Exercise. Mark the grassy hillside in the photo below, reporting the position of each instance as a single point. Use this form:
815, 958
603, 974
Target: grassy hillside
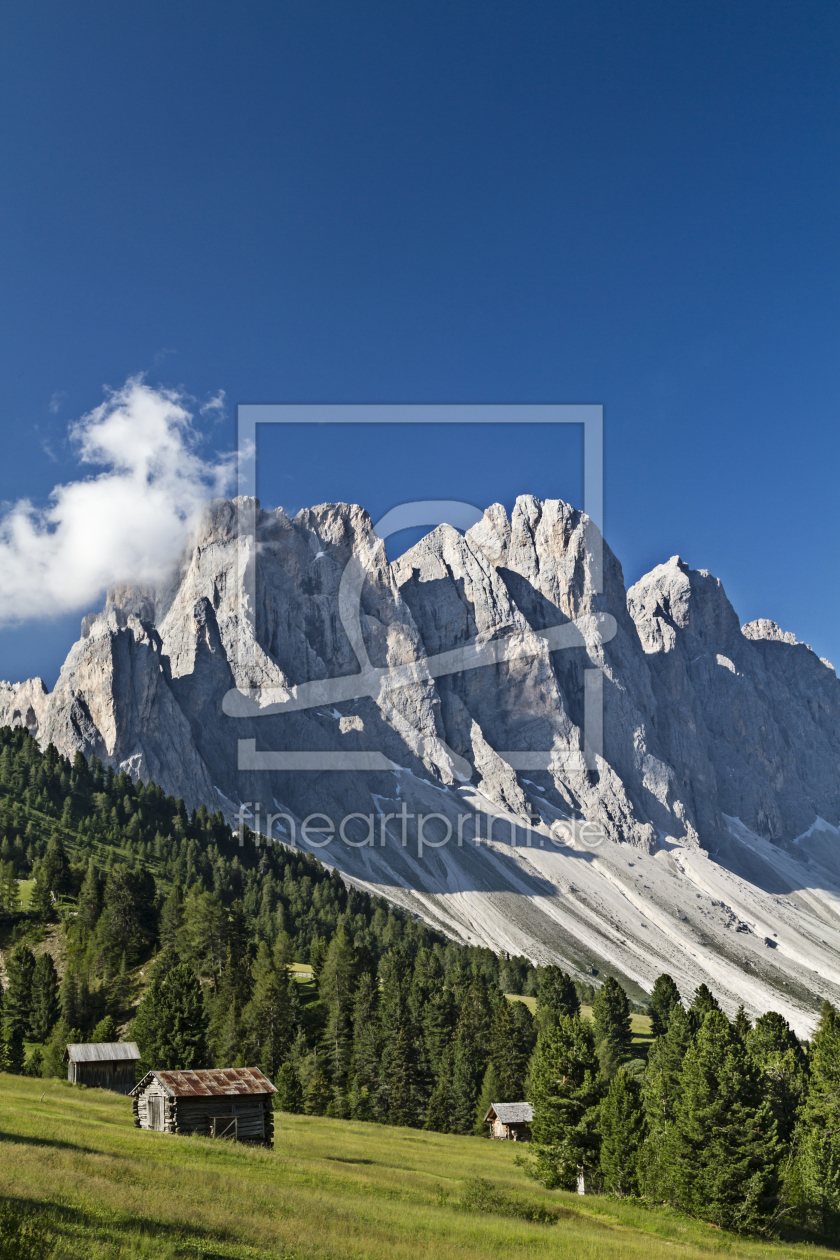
330, 1189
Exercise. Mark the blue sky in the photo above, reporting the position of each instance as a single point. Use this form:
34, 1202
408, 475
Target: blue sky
631, 204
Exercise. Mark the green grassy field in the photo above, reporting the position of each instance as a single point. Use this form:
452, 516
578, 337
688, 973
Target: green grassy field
329, 1189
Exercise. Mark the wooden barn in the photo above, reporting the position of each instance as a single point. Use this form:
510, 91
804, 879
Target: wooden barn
510, 1122
103, 1065
232, 1103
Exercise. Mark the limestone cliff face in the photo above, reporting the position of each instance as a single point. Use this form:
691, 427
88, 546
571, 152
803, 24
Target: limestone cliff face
701, 718
750, 717
716, 739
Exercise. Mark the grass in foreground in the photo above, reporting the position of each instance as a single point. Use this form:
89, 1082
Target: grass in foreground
330, 1189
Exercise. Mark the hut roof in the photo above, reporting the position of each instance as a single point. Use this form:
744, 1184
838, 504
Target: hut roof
102, 1052
511, 1113
210, 1081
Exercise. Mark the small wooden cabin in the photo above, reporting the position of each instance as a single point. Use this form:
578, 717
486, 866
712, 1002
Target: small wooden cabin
510, 1122
103, 1064
232, 1103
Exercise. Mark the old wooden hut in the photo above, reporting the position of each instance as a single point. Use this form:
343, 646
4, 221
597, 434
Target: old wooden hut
103, 1064
232, 1103
510, 1122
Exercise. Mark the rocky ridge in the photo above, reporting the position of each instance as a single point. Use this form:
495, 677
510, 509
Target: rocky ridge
713, 803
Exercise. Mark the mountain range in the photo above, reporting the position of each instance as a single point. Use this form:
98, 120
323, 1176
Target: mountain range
622, 781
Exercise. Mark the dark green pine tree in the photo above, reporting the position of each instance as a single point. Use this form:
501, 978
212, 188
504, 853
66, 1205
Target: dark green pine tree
818, 1158
439, 1114
289, 1095
660, 1095
366, 1048
776, 1051
318, 1094
663, 999
397, 1065
741, 1024
225, 1033
268, 1031
439, 1018
510, 1050
471, 1052
428, 987
613, 1032
556, 996
622, 1125
490, 1093
55, 868
402, 1109
703, 1002
171, 919
14, 1051
90, 899
46, 1007
722, 1152
526, 1031
68, 995
171, 1023
17, 1004
337, 986
565, 1094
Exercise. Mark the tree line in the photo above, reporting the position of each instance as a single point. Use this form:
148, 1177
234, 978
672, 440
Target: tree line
734, 1122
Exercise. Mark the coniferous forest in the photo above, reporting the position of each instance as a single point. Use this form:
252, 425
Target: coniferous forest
146, 922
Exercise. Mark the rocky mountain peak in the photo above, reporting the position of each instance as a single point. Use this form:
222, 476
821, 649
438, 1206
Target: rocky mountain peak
447, 682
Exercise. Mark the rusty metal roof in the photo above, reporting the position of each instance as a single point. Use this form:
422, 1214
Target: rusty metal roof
102, 1052
210, 1082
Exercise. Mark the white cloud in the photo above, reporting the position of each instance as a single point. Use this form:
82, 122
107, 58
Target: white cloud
126, 523
216, 405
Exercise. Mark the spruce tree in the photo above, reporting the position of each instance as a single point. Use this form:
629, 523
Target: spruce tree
105, 1030
225, 1033
45, 1005
17, 1004
776, 1051
439, 1019
90, 898
663, 999
470, 1054
14, 1051
722, 1151
741, 1024
318, 1094
622, 1128
337, 986
55, 868
565, 1094
613, 1032
266, 1020
703, 1002
171, 918
818, 1158
366, 1048
171, 1023
401, 1096
556, 995
289, 1095
660, 1096
509, 1053
490, 1093
396, 1067
439, 1114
